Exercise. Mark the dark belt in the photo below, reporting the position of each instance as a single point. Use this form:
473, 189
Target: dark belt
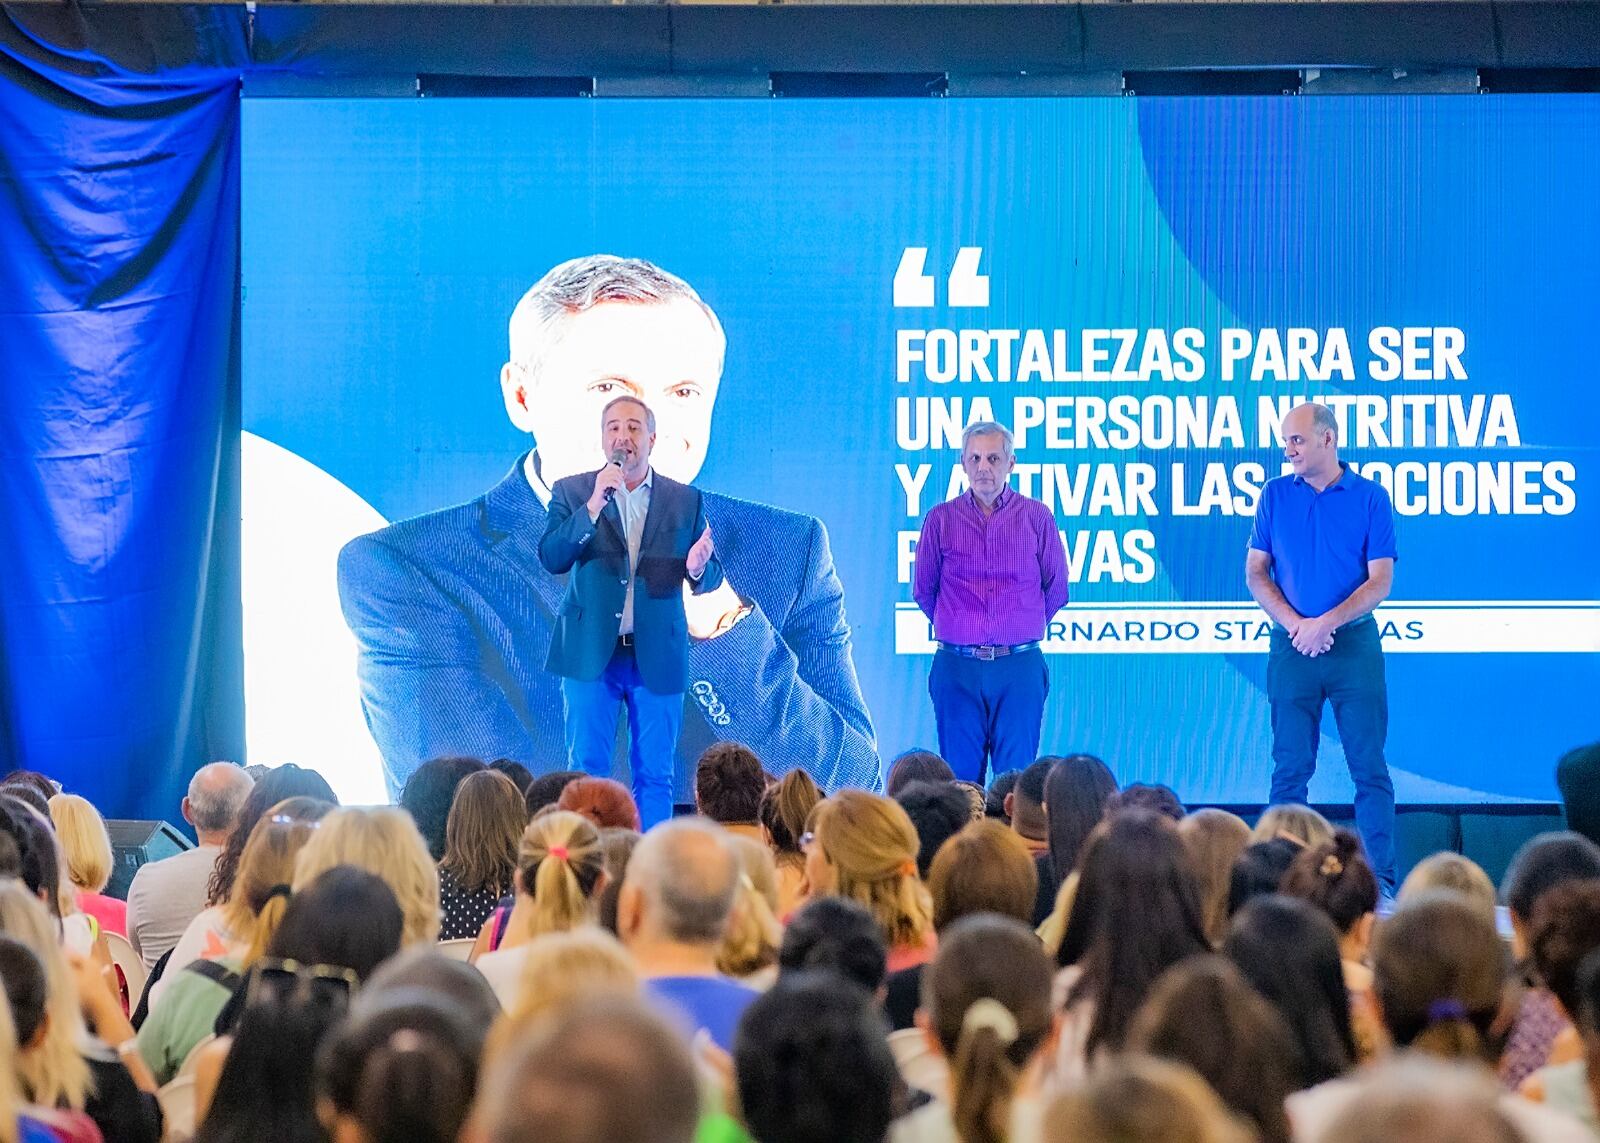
987, 651
625, 640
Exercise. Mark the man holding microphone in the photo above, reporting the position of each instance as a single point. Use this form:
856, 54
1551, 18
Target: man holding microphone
991, 572
628, 539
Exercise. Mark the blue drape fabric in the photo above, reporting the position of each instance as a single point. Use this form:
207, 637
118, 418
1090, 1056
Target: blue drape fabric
120, 661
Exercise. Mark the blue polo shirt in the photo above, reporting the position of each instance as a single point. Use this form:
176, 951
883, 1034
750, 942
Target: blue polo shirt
1320, 542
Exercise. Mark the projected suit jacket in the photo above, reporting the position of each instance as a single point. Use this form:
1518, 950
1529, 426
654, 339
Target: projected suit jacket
453, 613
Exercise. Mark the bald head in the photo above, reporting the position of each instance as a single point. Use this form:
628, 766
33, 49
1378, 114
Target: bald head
215, 794
681, 881
1311, 443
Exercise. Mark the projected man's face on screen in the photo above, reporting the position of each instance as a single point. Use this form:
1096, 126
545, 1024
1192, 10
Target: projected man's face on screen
667, 354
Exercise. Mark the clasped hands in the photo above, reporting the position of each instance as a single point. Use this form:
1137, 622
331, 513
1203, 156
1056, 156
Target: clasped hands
1312, 636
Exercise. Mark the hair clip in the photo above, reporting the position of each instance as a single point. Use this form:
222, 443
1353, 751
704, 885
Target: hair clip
1441, 1010
1332, 866
987, 1012
559, 852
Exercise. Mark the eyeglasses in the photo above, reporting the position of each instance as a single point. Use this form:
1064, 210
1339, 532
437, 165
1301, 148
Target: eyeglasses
288, 978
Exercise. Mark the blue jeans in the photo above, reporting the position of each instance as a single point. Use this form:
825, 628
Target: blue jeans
1350, 677
988, 711
653, 724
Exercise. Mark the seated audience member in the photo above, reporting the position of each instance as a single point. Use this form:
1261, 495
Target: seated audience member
1203, 1013
560, 970
1565, 930
521, 777
86, 848
1214, 839
864, 847
401, 1070
276, 785
429, 793
1456, 873
728, 784
607, 1069
994, 798
1259, 870
916, 765
560, 872
480, 852
938, 811
1076, 790
1574, 1087
617, 845
384, 841
166, 895
1137, 913
186, 1010
1578, 779
671, 917
208, 936
35, 788
1422, 1100
783, 811
425, 967
1301, 825
20, 1122
1289, 952
1135, 1099
1541, 1034
986, 868
545, 790
1336, 878
986, 1011
837, 935
606, 803
52, 1000
1438, 977
1025, 807
810, 1063
1147, 796
749, 950
29, 852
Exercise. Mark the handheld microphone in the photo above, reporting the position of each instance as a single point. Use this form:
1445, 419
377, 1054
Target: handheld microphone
617, 457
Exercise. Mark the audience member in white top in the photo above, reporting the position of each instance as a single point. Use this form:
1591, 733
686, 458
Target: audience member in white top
166, 895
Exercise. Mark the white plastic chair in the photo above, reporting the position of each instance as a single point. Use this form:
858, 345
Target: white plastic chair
919, 1065
131, 964
458, 949
177, 1098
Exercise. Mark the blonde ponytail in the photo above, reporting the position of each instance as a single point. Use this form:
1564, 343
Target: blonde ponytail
559, 866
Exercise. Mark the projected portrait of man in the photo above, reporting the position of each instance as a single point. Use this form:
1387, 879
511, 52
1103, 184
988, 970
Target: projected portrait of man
453, 611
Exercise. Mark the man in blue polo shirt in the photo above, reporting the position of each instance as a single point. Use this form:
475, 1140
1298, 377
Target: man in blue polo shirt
1321, 558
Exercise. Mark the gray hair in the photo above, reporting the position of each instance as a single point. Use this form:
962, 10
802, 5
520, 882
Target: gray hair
629, 399
583, 283
983, 429
216, 793
1322, 419
687, 872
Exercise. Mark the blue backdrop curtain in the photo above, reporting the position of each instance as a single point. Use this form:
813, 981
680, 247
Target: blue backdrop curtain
120, 658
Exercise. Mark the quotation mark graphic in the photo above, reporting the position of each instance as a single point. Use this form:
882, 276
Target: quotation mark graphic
914, 286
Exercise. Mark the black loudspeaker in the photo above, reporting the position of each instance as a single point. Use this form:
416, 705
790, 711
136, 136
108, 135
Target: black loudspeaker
135, 842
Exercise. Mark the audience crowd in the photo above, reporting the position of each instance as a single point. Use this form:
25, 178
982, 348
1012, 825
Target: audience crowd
1059, 958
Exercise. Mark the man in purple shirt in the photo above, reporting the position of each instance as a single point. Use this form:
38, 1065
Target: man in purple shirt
991, 571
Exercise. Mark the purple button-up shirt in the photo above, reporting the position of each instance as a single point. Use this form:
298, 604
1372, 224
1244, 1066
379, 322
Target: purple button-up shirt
990, 579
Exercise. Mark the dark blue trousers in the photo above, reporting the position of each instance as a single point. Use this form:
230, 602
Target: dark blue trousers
988, 711
1350, 677
653, 724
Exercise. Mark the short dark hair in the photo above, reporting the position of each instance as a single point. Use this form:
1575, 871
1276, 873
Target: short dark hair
1259, 870
837, 934
1544, 862
728, 783
545, 790
938, 810
428, 794
994, 798
1578, 779
520, 775
916, 765
1027, 800
1030, 783
1147, 796
812, 1062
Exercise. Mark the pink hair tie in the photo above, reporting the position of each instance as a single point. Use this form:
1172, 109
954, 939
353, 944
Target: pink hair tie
559, 852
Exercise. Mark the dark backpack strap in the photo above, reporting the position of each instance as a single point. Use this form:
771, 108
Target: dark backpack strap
217, 973
501, 915
143, 1010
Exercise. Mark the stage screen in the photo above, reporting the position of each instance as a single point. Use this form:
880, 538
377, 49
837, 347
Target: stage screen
1138, 287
